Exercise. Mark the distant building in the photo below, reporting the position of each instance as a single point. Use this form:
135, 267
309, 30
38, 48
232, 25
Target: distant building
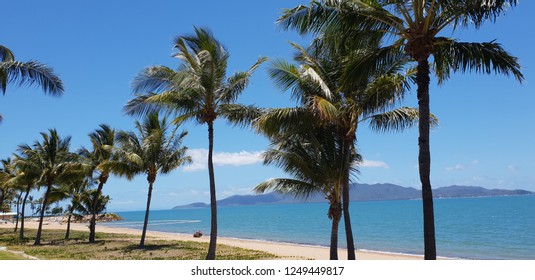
7, 216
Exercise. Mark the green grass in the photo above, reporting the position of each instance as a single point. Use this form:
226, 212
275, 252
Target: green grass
117, 247
10, 256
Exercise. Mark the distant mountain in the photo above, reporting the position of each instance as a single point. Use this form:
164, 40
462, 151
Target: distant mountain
193, 205
363, 192
462, 191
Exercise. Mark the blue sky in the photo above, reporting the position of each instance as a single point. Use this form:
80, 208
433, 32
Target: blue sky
484, 139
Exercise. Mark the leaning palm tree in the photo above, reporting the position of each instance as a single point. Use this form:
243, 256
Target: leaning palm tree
52, 158
27, 73
97, 159
153, 149
312, 156
198, 90
415, 26
317, 84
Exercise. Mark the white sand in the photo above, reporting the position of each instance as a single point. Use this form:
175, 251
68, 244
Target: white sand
291, 251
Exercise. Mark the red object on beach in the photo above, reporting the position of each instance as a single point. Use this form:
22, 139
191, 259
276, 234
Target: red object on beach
197, 233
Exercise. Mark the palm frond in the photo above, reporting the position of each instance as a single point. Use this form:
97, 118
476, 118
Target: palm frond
477, 12
237, 83
30, 73
491, 57
298, 189
397, 120
153, 79
6, 54
275, 121
147, 104
360, 65
327, 111
239, 115
284, 74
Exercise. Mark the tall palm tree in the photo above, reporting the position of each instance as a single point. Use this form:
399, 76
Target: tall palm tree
27, 73
198, 90
317, 83
153, 149
97, 159
52, 158
313, 158
415, 26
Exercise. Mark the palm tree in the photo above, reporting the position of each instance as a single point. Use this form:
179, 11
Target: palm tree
317, 84
72, 188
15, 179
7, 190
154, 149
27, 73
33, 203
198, 90
415, 26
97, 159
86, 202
53, 159
17, 203
27, 178
313, 158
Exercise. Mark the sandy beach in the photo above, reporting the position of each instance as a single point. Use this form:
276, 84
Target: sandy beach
290, 251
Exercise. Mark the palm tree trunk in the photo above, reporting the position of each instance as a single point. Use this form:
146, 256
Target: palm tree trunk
424, 159
345, 202
213, 201
68, 232
93, 221
18, 211
2, 197
21, 233
92, 228
336, 213
146, 222
43, 207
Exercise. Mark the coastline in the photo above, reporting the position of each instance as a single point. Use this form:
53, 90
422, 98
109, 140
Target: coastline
285, 250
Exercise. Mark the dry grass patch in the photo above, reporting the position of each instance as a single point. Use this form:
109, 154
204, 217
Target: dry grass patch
118, 247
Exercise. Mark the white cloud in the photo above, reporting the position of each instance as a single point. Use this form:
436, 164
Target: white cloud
511, 168
200, 159
374, 164
456, 167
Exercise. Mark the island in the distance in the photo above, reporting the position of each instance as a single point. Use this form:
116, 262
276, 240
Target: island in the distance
363, 192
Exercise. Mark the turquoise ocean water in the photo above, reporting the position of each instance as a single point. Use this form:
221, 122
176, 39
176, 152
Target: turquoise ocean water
469, 228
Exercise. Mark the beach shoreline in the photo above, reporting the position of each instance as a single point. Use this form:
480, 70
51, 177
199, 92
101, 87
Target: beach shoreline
282, 249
